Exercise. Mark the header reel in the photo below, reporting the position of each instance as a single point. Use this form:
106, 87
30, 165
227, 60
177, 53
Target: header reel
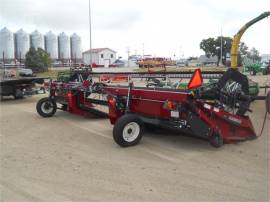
231, 92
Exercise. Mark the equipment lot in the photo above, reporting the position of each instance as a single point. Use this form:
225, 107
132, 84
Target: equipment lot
72, 158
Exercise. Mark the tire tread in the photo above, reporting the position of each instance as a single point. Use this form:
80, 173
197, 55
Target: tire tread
119, 126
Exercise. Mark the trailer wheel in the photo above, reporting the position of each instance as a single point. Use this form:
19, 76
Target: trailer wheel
128, 130
18, 94
266, 71
98, 87
46, 107
216, 140
254, 72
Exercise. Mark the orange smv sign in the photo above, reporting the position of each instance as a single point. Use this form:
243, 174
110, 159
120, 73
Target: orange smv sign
196, 80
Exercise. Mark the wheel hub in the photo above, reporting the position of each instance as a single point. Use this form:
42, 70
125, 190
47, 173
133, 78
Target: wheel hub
46, 107
131, 131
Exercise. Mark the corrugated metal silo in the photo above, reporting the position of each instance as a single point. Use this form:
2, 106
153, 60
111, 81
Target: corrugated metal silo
51, 45
76, 49
37, 40
22, 44
6, 44
64, 46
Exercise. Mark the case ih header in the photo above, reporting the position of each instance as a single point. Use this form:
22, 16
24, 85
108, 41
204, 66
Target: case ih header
216, 111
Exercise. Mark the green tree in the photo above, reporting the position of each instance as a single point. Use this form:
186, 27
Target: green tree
254, 55
243, 52
212, 47
243, 49
37, 60
208, 46
192, 58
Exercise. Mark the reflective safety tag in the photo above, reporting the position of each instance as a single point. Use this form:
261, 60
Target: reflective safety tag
175, 114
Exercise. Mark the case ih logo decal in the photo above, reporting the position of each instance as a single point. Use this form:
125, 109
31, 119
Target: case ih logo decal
235, 120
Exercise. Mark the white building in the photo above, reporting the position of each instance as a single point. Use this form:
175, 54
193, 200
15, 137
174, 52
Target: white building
265, 57
100, 56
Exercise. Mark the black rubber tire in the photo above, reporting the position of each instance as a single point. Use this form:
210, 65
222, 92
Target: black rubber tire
216, 140
39, 108
18, 97
43, 89
119, 128
242, 110
18, 94
98, 87
266, 71
64, 107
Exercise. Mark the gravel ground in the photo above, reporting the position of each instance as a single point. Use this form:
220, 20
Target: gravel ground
73, 158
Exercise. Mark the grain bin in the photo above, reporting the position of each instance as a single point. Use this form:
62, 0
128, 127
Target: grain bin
51, 45
76, 50
6, 44
37, 40
22, 44
64, 46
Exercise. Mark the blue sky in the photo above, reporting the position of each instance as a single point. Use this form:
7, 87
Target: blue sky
166, 28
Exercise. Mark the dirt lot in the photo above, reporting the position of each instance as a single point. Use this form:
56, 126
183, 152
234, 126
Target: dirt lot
72, 158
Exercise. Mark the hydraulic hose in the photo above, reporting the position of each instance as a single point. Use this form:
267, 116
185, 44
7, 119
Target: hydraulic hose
267, 111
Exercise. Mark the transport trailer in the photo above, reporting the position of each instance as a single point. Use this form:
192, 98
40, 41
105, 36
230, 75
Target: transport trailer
21, 87
72, 91
216, 112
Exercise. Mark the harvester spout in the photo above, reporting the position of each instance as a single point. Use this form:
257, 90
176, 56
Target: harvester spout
237, 37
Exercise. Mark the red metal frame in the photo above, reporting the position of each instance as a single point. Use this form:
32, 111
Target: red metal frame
230, 126
113, 78
150, 103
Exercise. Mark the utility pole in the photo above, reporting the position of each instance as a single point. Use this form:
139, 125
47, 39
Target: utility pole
4, 74
143, 54
143, 50
75, 60
90, 33
221, 47
128, 51
20, 60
